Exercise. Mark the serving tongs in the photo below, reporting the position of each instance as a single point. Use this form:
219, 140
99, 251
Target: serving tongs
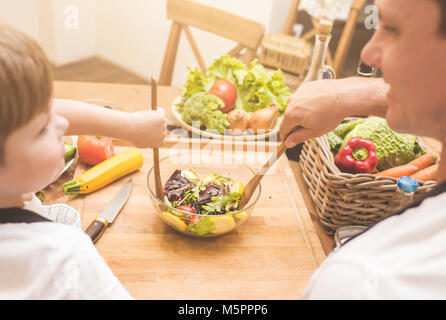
253, 183
156, 158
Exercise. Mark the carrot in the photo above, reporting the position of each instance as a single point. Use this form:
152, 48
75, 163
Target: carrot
426, 160
414, 166
399, 171
426, 174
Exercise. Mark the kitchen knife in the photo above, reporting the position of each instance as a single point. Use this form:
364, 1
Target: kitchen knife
111, 211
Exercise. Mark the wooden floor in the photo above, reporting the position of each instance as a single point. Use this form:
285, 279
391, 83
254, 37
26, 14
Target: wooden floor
96, 69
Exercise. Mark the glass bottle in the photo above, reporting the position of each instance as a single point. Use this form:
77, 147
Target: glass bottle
404, 194
318, 69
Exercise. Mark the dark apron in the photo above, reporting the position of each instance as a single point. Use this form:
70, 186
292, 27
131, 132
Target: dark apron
18, 215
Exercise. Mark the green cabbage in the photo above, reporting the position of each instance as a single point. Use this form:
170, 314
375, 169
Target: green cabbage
336, 137
392, 149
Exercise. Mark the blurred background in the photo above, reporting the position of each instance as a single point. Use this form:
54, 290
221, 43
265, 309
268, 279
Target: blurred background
124, 41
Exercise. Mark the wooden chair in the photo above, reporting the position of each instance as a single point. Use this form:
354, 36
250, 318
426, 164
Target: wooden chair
184, 13
346, 37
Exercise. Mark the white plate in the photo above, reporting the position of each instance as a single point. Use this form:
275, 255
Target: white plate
246, 136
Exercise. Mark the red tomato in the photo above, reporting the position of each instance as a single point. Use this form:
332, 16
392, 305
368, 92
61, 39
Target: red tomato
226, 91
94, 149
186, 208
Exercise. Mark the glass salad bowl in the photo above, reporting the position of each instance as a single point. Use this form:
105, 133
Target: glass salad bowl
218, 172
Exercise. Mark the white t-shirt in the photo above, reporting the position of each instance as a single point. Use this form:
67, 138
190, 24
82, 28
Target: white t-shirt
402, 257
53, 260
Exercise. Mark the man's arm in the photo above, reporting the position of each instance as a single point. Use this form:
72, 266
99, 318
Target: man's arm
319, 106
145, 129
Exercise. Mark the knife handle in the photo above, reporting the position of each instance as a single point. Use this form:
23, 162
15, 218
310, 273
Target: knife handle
96, 228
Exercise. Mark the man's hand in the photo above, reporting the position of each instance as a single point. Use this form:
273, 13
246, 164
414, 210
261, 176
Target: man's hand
312, 109
148, 128
317, 107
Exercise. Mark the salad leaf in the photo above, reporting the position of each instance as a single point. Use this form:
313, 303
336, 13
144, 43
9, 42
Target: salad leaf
228, 68
209, 191
280, 92
209, 195
203, 110
176, 186
261, 88
222, 203
195, 82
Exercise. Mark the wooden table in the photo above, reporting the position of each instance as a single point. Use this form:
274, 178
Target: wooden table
130, 98
271, 256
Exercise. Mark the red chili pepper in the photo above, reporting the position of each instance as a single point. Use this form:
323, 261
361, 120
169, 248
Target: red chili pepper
357, 156
186, 208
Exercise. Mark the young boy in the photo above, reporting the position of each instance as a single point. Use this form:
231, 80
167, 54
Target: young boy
40, 258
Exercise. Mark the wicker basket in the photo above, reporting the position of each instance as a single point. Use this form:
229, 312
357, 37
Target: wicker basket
285, 52
343, 199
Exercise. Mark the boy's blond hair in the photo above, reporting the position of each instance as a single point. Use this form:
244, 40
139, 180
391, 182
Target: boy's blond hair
26, 82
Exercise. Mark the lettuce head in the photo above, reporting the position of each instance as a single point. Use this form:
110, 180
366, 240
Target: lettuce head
256, 88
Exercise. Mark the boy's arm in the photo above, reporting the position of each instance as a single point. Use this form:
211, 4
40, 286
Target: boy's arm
319, 106
145, 129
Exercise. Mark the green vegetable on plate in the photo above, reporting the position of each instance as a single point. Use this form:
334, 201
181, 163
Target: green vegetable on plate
256, 89
202, 110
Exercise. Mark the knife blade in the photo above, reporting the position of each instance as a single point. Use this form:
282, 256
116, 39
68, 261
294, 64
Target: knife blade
110, 212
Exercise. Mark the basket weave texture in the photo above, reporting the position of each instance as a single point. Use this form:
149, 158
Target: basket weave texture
343, 199
285, 52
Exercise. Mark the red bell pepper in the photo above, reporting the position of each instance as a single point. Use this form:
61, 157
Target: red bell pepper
357, 156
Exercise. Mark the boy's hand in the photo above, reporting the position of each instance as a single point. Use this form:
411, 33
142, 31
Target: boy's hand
148, 128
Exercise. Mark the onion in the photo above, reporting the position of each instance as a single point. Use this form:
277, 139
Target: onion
238, 121
263, 120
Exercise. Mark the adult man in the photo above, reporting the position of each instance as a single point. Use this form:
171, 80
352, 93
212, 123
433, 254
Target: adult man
402, 256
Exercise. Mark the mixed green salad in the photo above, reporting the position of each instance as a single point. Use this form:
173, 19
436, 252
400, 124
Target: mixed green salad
255, 89
205, 202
